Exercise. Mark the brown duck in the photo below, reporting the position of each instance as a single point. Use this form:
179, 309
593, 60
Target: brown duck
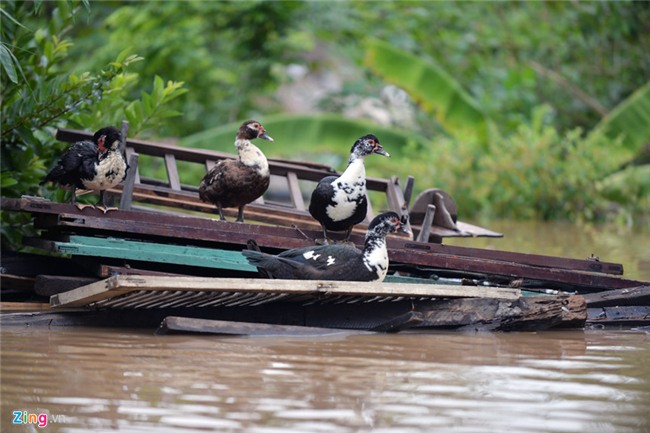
237, 182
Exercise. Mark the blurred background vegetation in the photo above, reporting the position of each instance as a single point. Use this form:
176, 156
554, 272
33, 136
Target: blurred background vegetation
534, 110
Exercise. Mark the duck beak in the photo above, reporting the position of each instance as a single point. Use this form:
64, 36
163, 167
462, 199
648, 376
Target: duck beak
380, 151
265, 136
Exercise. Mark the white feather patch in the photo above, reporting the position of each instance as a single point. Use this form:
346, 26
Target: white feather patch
251, 156
311, 255
330, 260
377, 260
352, 186
110, 172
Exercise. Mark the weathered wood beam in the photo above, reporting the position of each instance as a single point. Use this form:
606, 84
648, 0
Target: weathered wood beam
176, 324
621, 297
524, 314
120, 285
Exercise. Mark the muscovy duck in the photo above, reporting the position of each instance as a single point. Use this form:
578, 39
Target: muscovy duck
235, 183
338, 203
340, 262
97, 165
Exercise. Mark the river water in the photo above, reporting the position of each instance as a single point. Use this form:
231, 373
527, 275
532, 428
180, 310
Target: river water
109, 380
124, 380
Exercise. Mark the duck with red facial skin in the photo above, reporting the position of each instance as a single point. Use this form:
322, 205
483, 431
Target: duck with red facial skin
237, 182
96, 165
339, 262
338, 203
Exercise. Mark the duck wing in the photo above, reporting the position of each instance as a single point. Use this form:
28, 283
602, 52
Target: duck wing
309, 263
77, 163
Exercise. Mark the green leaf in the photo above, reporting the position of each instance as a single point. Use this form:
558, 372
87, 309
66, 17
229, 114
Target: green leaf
310, 134
631, 119
7, 59
7, 181
627, 185
431, 86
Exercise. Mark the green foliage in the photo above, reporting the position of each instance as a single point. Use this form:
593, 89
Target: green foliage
535, 172
631, 120
432, 87
511, 57
39, 95
226, 53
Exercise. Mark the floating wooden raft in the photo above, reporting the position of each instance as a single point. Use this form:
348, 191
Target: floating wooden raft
62, 222
380, 307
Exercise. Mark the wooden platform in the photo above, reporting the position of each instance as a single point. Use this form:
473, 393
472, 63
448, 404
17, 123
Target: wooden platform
62, 222
163, 292
184, 303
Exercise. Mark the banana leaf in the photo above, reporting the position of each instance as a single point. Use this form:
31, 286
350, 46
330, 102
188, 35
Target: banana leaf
627, 186
304, 137
631, 119
431, 86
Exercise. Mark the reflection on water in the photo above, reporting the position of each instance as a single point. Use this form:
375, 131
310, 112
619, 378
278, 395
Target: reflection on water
611, 243
569, 381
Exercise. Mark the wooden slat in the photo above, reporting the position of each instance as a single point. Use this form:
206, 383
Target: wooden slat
119, 285
620, 297
7, 307
294, 191
130, 151
152, 252
126, 198
573, 273
172, 172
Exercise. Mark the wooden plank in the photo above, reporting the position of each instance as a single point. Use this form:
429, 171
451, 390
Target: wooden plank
175, 324
125, 283
425, 229
86, 295
524, 314
294, 191
130, 151
462, 259
155, 224
126, 198
621, 297
7, 307
627, 315
172, 172
153, 252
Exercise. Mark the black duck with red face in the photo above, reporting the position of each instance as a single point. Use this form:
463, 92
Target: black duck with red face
338, 203
334, 262
97, 165
237, 182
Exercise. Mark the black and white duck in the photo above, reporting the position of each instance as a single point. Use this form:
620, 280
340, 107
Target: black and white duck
96, 165
340, 262
338, 203
237, 182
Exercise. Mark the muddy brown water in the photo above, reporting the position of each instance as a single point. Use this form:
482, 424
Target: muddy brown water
110, 380
124, 380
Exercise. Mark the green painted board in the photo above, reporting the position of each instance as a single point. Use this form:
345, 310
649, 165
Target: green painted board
154, 252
